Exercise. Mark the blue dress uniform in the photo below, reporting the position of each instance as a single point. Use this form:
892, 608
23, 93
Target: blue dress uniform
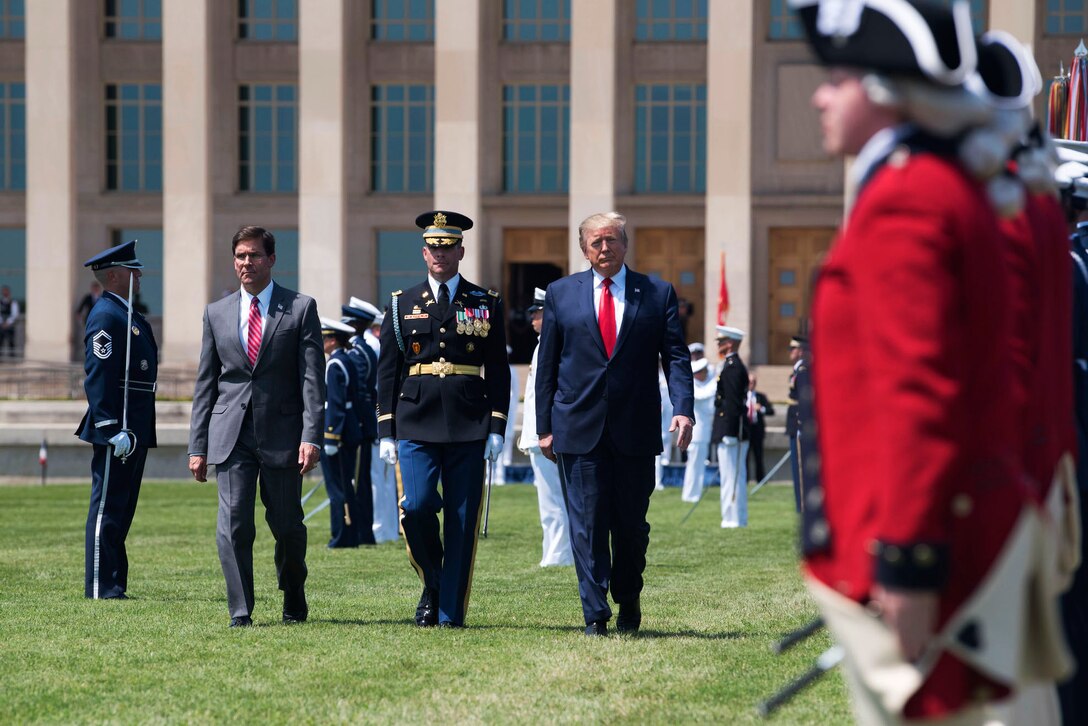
434, 399
115, 482
342, 431
365, 361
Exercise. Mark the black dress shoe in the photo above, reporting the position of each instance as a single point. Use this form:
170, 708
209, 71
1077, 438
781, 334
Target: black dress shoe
241, 622
450, 626
295, 608
630, 617
427, 610
598, 628
293, 618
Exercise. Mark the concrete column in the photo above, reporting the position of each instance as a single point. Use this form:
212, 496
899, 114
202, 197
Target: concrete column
1016, 17
457, 123
728, 162
592, 116
187, 187
322, 199
51, 266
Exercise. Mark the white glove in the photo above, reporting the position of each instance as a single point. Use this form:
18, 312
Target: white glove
730, 440
122, 444
387, 451
331, 449
493, 448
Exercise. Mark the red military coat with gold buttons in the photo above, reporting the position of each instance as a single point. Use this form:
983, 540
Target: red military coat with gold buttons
920, 468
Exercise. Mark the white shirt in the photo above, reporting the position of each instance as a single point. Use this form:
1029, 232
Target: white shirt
264, 297
619, 296
451, 285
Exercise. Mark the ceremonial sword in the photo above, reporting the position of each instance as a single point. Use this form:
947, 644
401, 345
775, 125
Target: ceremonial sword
128, 359
487, 495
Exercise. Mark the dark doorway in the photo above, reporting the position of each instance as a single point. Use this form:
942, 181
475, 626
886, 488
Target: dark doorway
523, 278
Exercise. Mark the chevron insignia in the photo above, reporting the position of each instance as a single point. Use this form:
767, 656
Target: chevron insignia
103, 344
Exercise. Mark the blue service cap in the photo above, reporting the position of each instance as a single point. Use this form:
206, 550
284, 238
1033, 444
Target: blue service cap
360, 310
442, 228
123, 255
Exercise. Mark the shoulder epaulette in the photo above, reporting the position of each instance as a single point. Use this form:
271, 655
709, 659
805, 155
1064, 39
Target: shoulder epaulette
493, 293
398, 292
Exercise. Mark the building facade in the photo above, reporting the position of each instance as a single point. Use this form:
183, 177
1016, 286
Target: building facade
335, 122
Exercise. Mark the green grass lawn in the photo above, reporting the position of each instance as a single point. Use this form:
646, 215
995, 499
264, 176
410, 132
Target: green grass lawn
714, 601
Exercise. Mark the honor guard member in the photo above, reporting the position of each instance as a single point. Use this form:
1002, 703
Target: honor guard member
121, 365
798, 377
924, 563
705, 388
730, 430
342, 436
383, 477
443, 396
360, 314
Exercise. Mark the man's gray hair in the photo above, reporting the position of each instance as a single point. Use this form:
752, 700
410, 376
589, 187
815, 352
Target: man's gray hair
598, 221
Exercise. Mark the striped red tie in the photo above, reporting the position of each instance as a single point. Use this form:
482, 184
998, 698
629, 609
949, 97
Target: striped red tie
253, 337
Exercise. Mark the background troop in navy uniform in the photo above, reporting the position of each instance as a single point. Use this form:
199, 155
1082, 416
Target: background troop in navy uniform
117, 465
443, 396
360, 315
342, 437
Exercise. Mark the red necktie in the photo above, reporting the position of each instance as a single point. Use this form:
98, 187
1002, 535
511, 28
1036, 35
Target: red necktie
606, 317
253, 337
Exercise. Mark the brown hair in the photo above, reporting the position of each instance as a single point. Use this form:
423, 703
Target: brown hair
251, 232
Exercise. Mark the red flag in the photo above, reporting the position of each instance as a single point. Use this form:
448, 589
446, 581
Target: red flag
723, 297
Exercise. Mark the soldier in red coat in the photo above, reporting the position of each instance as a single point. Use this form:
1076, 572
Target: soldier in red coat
920, 543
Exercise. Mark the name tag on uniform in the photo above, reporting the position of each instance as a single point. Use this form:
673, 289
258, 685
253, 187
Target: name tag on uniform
421, 316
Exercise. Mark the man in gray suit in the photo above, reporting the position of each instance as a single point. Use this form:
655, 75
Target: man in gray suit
258, 411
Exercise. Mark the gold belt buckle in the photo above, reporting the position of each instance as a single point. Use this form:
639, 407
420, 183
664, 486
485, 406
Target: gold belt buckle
442, 368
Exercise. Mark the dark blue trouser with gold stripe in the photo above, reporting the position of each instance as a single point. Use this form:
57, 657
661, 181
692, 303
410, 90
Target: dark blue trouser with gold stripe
115, 487
460, 467
344, 520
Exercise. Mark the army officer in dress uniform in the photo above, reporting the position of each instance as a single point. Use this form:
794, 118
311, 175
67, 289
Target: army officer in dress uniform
116, 335
440, 416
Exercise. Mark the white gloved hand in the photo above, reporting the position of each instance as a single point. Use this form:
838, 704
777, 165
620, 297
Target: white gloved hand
387, 451
331, 449
730, 440
493, 448
122, 444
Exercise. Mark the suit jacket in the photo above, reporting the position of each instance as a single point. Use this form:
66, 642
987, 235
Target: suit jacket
730, 409
104, 365
454, 408
286, 386
579, 388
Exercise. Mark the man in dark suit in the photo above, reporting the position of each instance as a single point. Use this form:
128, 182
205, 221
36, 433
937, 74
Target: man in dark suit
799, 379
120, 425
443, 396
759, 408
258, 412
598, 411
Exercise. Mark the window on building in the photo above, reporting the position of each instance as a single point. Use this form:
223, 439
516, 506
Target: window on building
13, 262
399, 20
399, 262
134, 137
134, 19
536, 137
1066, 17
268, 20
657, 20
536, 20
670, 138
785, 23
402, 138
267, 137
12, 136
149, 251
12, 19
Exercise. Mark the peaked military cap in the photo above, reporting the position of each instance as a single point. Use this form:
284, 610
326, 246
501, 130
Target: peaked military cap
122, 255
538, 300
798, 341
696, 348
699, 365
910, 38
335, 327
442, 229
360, 310
724, 331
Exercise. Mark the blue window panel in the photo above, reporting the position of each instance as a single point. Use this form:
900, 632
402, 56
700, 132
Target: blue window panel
12, 137
536, 21
399, 263
134, 137
13, 261
124, 19
536, 126
285, 271
400, 20
403, 138
268, 138
268, 20
670, 138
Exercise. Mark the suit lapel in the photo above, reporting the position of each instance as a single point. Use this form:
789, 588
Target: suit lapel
276, 310
230, 322
632, 296
585, 305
